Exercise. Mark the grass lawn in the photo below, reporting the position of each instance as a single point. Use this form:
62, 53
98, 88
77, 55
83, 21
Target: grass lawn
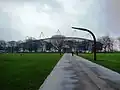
109, 60
26, 72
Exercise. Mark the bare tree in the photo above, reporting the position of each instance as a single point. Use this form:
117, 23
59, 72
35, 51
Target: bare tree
107, 43
58, 41
12, 45
18, 46
2, 45
30, 44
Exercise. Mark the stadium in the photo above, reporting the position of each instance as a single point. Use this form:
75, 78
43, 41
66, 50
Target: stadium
59, 43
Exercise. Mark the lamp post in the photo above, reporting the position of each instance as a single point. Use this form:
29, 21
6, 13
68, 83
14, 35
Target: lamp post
83, 29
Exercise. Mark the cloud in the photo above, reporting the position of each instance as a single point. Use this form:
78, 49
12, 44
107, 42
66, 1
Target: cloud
6, 30
29, 18
113, 16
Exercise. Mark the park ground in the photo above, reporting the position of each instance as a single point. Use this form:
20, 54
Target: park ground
109, 60
26, 71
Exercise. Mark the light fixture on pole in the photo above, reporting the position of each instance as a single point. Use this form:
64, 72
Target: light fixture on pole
94, 49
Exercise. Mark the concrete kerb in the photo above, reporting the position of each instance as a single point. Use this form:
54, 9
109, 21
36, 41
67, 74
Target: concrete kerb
50, 74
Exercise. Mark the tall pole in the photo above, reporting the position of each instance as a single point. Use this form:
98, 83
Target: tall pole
83, 29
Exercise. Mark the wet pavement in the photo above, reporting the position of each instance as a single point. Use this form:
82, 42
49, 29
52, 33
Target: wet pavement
76, 73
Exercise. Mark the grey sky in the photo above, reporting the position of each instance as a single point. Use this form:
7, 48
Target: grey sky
21, 18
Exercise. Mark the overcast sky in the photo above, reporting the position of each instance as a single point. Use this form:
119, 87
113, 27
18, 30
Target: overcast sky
21, 18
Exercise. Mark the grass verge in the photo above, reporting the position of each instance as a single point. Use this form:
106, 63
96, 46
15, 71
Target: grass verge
26, 72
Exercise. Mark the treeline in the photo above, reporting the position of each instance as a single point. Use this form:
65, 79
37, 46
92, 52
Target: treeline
104, 44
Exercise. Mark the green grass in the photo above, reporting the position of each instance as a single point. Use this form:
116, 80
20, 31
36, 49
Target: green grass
109, 60
26, 72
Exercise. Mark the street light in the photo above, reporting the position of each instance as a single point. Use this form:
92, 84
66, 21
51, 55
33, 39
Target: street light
83, 29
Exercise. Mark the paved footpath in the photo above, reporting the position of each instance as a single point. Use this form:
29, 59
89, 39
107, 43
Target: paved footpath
76, 73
